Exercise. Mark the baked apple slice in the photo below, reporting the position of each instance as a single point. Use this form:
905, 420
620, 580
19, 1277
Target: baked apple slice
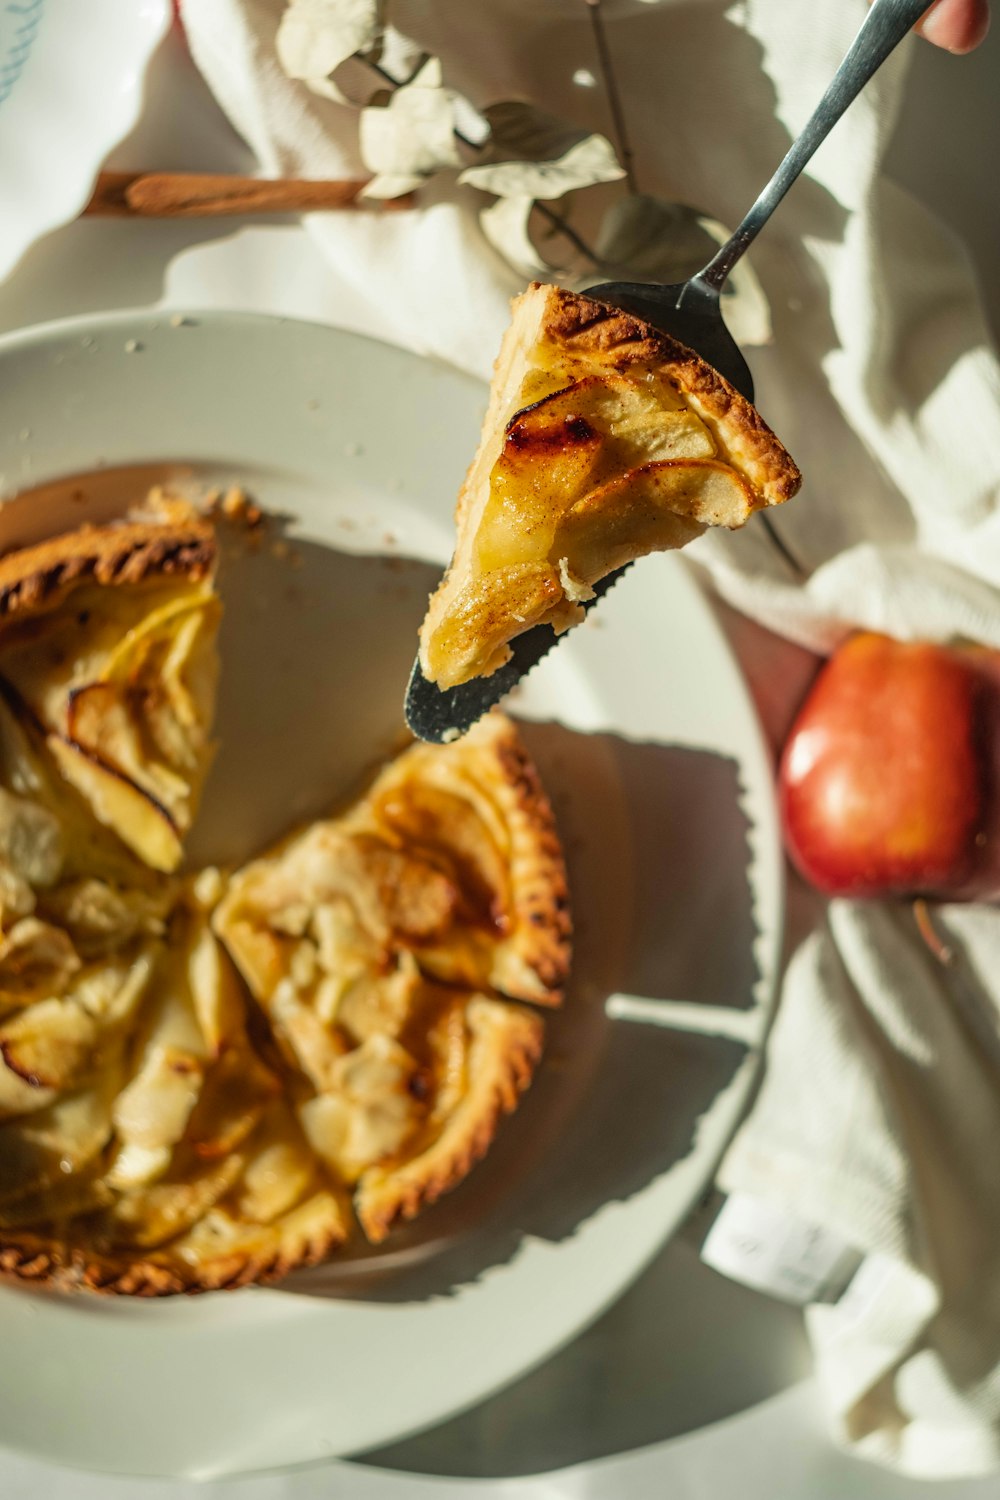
604, 440
152, 1150
107, 641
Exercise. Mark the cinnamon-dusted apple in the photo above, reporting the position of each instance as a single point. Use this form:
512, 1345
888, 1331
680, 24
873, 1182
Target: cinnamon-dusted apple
604, 440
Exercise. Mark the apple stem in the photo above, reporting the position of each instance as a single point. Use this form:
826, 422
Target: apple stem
930, 935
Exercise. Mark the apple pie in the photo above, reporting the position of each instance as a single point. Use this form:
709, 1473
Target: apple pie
207, 1080
604, 440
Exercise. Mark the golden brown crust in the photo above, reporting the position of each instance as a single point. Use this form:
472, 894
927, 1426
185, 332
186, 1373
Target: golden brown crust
531, 957
527, 957
38, 578
535, 959
43, 1261
506, 1044
587, 327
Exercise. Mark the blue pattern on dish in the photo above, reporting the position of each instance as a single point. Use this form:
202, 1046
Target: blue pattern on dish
17, 40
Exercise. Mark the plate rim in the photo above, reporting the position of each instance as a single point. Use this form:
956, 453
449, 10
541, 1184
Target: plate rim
100, 324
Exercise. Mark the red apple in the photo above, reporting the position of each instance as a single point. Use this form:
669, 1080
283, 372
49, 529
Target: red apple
889, 778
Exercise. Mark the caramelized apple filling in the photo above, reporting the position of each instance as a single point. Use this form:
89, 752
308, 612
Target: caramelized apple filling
121, 682
597, 429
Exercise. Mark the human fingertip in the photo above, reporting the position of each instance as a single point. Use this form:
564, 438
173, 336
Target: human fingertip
956, 26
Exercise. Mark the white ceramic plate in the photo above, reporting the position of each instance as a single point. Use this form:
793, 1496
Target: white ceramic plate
649, 746
71, 76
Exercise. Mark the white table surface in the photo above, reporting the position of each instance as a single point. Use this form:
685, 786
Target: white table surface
708, 1381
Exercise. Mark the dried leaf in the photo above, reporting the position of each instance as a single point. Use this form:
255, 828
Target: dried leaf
359, 78
326, 88
646, 239
522, 132
589, 161
506, 224
316, 36
411, 136
654, 240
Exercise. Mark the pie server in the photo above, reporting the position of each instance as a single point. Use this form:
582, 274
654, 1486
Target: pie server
690, 311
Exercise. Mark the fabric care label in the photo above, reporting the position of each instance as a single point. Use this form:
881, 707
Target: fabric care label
759, 1245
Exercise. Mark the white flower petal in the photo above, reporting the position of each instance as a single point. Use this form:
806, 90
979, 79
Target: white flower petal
505, 225
399, 55
315, 36
415, 132
390, 185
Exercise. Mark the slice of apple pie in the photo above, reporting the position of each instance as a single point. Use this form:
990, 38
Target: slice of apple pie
604, 440
388, 948
107, 642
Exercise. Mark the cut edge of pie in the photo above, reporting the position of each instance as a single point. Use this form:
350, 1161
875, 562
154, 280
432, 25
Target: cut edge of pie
562, 353
89, 725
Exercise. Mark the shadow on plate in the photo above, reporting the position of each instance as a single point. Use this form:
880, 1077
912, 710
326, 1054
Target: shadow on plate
656, 843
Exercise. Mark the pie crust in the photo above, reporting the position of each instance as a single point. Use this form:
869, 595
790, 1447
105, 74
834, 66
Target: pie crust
604, 439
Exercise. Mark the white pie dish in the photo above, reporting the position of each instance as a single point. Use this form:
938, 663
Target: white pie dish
651, 751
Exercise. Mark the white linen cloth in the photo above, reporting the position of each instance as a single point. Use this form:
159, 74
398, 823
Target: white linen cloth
880, 1111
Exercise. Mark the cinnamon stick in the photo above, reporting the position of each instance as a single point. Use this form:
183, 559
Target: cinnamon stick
173, 195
